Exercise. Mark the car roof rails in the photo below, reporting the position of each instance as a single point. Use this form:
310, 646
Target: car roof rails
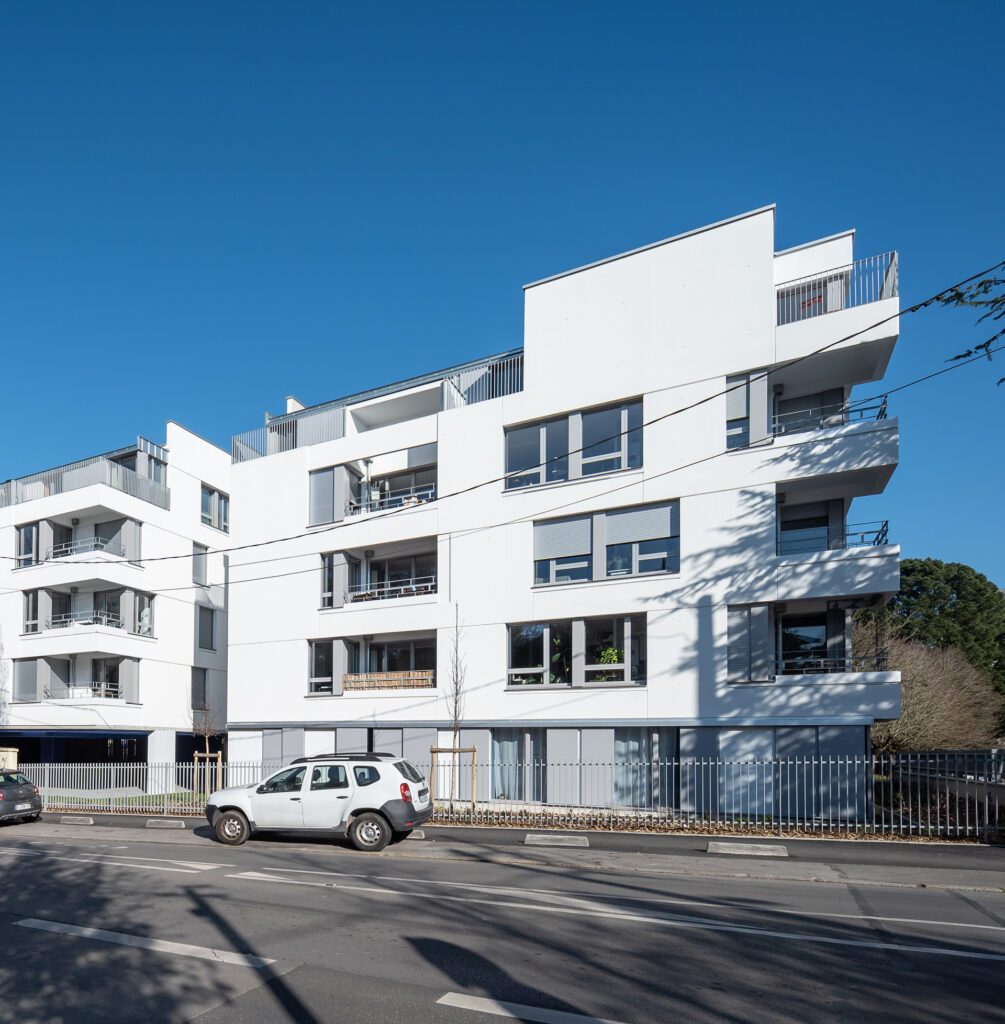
363, 755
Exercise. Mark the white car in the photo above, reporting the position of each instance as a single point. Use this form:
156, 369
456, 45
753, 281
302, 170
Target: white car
368, 797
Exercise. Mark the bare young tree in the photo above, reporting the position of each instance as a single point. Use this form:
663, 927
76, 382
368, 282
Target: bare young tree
207, 722
455, 699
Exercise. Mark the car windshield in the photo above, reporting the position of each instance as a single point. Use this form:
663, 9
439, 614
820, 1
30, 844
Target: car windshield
408, 770
13, 779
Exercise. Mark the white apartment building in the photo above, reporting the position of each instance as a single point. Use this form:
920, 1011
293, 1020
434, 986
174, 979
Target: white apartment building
642, 520
113, 608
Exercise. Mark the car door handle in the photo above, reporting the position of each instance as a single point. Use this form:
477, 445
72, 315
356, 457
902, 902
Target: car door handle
295, 798
342, 798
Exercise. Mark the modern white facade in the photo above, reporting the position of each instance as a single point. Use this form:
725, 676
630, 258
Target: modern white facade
106, 637
642, 520
642, 564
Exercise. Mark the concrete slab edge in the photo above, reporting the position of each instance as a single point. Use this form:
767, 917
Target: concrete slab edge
546, 839
746, 849
75, 819
165, 823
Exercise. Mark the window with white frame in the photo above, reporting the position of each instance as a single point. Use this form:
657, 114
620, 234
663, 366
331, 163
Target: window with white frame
577, 445
327, 579
31, 611
322, 658
27, 545
215, 508
633, 541
580, 652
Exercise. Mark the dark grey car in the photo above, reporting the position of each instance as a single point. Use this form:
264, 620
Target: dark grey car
18, 798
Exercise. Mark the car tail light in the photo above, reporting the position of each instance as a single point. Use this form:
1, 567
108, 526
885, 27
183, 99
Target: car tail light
406, 793
36, 791
1, 794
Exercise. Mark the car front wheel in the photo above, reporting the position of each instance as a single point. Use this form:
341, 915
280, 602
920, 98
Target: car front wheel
232, 828
369, 832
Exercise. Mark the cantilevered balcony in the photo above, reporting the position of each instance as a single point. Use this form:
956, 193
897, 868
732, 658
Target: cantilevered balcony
856, 284
84, 545
799, 537
382, 494
811, 664
818, 416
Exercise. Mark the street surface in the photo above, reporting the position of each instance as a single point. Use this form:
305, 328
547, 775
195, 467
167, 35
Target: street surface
127, 925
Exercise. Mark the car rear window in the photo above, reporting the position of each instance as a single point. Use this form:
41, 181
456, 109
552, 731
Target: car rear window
408, 770
13, 779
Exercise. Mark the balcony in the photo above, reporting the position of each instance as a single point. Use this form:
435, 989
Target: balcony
75, 475
85, 618
417, 586
859, 283
85, 545
418, 678
453, 388
812, 539
104, 691
824, 416
385, 499
807, 665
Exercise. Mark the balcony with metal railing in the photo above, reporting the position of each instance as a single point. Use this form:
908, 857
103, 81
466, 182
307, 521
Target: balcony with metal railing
802, 665
822, 417
85, 617
379, 500
459, 386
811, 539
417, 586
856, 284
85, 473
85, 545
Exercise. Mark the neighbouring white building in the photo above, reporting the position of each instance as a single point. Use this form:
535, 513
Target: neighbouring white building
641, 520
643, 566
113, 612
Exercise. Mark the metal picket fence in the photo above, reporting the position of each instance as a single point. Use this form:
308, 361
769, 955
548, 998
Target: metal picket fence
952, 794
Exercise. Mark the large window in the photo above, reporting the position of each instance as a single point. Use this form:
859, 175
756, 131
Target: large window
577, 445
582, 652
321, 668
31, 611
199, 564
519, 764
27, 545
401, 656
144, 607
620, 542
215, 509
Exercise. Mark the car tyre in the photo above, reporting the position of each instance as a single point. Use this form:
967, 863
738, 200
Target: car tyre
370, 832
232, 828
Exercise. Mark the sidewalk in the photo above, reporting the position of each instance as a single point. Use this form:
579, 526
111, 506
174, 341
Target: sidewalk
914, 865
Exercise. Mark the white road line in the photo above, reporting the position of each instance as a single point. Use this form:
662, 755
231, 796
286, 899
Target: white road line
653, 917
516, 1011
223, 956
596, 900
185, 866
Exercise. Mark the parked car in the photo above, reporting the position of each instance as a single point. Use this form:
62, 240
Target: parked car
19, 799
368, 797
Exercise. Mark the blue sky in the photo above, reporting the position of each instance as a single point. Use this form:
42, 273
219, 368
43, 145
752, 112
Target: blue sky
206, 207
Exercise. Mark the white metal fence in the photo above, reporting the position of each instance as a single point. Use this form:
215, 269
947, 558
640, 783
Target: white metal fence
953, 794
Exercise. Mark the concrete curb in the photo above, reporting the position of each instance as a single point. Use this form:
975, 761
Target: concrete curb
76, 819
165, 823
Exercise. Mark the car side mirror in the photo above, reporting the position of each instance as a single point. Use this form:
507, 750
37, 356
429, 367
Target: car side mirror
261, 789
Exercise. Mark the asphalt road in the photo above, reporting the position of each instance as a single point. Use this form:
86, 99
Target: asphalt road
131, 930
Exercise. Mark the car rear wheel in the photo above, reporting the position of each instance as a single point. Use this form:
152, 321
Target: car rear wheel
232, 828
369, 832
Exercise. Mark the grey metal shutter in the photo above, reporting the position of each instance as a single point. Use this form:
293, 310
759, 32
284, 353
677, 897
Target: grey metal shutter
322, 496
59, 676
388, 741
650, 522
738, 644
736, 400
560, 538
26, 680
272, 745
129, 680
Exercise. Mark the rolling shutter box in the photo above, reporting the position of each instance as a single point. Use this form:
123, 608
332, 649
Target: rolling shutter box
561, 538
737, 404
651, 522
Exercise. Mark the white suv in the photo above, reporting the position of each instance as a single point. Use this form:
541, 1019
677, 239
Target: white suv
369, 797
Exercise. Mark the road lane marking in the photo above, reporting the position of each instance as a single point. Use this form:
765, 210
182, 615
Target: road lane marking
516, 1011
695, 923
596, 899
223, 956
121, 861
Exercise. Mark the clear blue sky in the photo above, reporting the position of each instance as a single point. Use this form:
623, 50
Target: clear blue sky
209, 206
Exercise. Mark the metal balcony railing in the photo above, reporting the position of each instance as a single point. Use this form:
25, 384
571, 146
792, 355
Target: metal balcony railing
798, 665
855, 284
75, 475
466, 384
413, 587
390, 499
812, 539
416, 678
827, 416
85, 618
84, 544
